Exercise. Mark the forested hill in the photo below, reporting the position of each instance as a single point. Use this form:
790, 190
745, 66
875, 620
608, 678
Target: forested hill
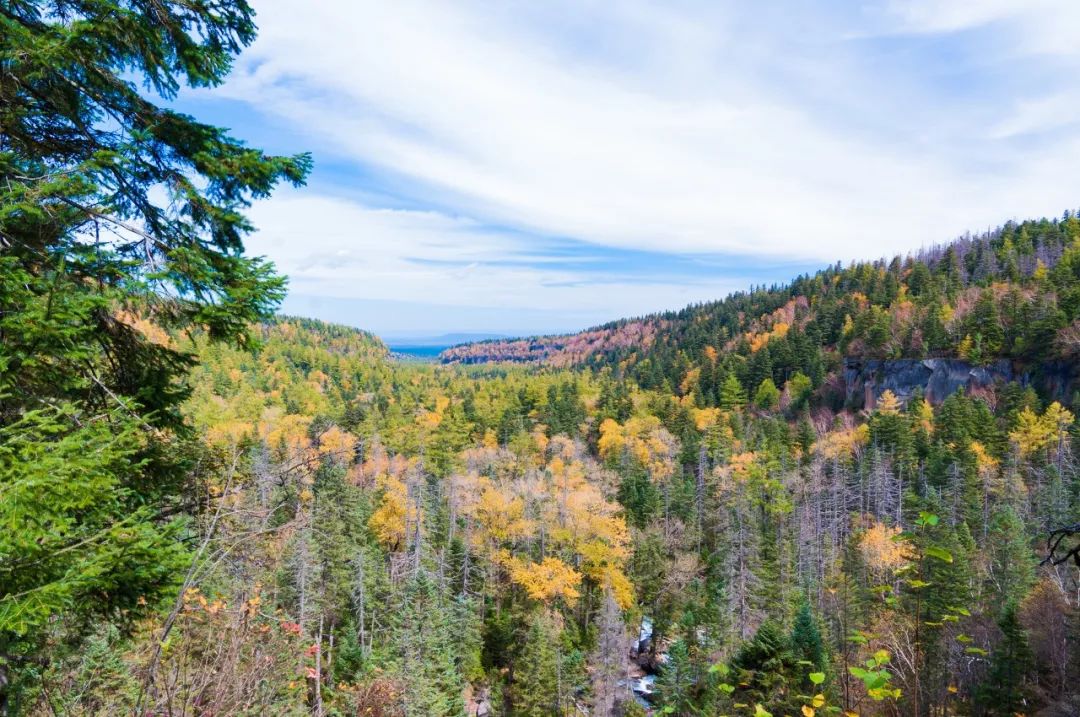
1010, 293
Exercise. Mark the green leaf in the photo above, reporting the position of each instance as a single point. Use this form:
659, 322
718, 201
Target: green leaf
817, 677
940, 553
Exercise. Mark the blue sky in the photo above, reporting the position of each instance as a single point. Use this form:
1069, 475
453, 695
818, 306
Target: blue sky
534, 167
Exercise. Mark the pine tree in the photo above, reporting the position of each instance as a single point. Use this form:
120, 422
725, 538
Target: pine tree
536, 670
767, 396
676, 683
1004, 691
806, 642
119, 218
1011, 572
427, 648
732, 396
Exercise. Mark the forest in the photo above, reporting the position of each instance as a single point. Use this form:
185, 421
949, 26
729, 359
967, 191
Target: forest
855, 494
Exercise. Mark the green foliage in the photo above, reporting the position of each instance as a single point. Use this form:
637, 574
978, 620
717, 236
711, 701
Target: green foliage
1005, 689
112, 210
77, 543
767, 395
536, 677
427, 645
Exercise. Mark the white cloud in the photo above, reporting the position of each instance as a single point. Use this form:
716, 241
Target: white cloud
341, 249
687, 127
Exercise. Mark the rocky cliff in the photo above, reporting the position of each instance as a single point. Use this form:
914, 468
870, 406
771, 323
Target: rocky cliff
866, 379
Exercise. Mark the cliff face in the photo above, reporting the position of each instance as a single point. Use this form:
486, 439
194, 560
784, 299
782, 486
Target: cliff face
866, 379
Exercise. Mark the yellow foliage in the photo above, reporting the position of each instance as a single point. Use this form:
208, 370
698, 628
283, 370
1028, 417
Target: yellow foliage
227, 434
926, 415
1034, 433
844, 442
965, 347
705, 417
984, 462
547, 580
501, 516
151, 332
388, 520
881, 552
289, 432
689, 381
337, 443
742, 464
849, 325
645, 439
1040, 272
888, 404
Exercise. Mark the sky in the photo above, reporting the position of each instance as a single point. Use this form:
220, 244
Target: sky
524, 167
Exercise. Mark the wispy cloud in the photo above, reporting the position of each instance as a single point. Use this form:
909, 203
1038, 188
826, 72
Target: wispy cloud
801, 131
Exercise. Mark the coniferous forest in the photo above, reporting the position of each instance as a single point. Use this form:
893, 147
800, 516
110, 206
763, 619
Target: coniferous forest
854, 494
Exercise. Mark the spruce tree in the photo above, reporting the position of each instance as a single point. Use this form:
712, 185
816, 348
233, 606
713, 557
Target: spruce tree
112, 208
536, 670
732, 395
806, 643
427, 647
1004, 691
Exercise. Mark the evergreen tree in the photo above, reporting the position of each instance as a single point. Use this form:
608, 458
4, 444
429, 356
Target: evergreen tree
1004, 692
732, 396
676, 683
427, 649
112, 208
536, 670
1011, 569
806, 642
765, 667
767, 396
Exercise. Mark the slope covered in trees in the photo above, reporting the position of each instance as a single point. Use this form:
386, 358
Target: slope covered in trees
1010, 294
414, 539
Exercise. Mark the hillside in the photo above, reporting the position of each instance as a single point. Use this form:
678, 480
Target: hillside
1006, 294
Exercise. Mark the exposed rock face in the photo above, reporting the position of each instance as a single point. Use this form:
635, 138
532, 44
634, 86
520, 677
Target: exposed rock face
866, 379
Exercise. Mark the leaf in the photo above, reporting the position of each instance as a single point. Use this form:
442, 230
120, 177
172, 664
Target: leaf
917, 584
817, 677
819, 700
808, 711
927, 518
940, 553
976, 651
760, 711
